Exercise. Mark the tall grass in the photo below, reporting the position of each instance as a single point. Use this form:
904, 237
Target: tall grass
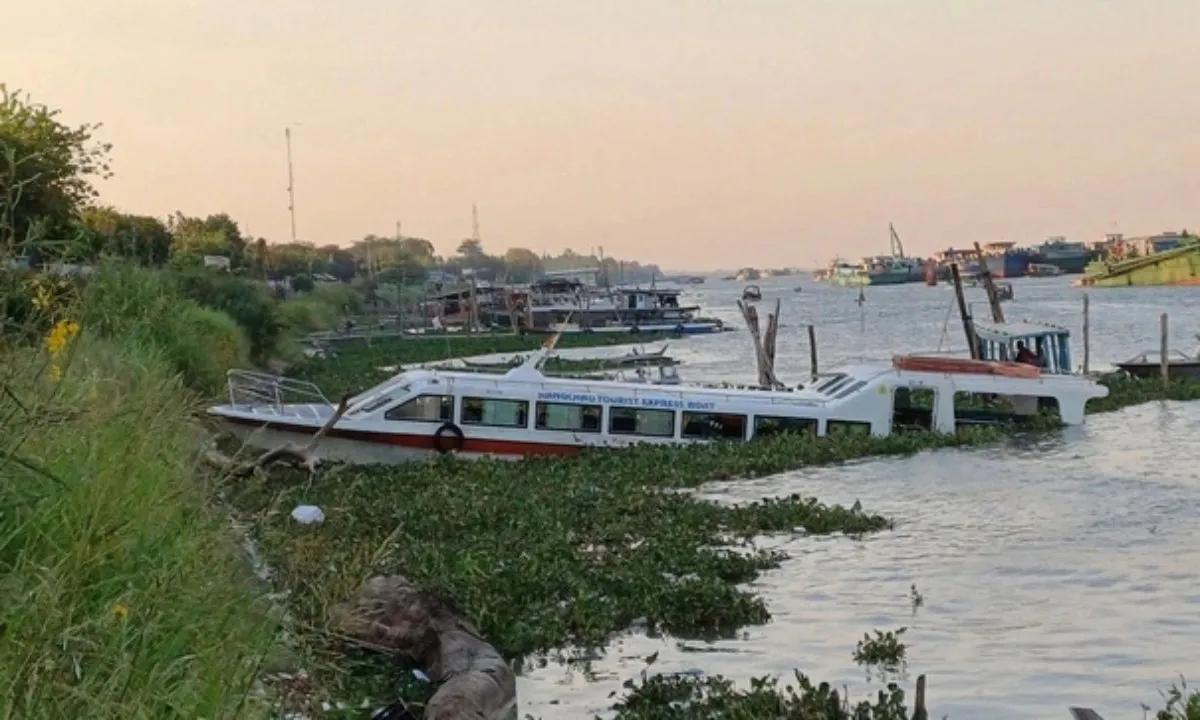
131, 303
123, 593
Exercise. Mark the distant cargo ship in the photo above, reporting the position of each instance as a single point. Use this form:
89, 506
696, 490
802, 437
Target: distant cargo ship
1005, 260
1070, 257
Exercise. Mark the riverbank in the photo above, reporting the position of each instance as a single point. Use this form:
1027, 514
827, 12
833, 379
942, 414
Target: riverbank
124, 593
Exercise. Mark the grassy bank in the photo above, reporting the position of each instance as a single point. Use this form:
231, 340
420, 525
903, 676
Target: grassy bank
123, 592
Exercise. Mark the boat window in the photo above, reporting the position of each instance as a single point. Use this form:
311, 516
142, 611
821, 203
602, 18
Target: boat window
637, 421
375, 404
495, 412
850, 390
913, 407
766, 425
714, 425
847, 428
565, 416
829, 383
424, 408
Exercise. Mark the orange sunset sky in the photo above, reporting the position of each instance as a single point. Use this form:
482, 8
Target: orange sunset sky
693, 133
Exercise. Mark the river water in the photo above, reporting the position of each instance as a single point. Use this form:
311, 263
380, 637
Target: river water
1059, 572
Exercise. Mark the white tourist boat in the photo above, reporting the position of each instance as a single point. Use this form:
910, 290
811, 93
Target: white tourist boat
422, 412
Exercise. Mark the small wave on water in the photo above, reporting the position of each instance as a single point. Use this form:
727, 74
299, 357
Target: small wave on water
1055, 571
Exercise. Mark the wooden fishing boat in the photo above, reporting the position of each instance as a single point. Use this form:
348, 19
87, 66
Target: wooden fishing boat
421, 413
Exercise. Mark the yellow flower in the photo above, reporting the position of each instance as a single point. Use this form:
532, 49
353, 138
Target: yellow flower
60, 336
120, 611
56, 373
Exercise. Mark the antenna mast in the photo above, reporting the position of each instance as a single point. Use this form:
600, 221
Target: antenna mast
287, 134
475, 223
897, 246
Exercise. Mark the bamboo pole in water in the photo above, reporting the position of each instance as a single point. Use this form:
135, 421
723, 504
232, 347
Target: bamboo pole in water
1087, 336
1164, 365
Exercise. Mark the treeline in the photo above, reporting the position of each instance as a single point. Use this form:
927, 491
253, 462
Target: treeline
47, 175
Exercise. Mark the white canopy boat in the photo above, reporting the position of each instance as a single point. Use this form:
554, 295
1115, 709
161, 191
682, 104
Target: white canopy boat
422, 412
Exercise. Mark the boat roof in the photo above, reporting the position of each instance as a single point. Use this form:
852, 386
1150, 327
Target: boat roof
1004, 332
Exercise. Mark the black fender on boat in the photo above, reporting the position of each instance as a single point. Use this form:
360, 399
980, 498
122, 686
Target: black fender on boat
448, 437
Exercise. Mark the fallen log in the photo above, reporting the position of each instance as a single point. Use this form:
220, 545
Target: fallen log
390, 613
289, 453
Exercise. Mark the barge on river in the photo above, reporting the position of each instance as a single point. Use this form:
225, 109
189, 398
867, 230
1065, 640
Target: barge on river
419, 413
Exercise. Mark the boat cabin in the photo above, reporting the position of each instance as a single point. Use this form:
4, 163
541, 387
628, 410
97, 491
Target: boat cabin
1001, 342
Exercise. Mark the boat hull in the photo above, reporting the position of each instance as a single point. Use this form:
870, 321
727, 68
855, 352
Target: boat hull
364, 447
1011, 264
687, 328
1069, 263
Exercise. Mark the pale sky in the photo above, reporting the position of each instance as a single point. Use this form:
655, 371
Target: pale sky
692, 133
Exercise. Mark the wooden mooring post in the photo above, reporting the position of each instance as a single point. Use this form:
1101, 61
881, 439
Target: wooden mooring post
1087, 336
812, 349
1164, 364
968, 325
764, 342
989, 285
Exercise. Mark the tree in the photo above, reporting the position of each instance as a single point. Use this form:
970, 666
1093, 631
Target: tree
471, 251
214, 235
46, 170
521, 264
139, 237
419, 250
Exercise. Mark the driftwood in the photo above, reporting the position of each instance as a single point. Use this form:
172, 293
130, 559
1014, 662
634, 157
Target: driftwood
289, 453
390, 613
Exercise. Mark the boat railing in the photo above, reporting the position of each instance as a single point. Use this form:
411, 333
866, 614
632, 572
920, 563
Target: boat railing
1146, 355
249, 387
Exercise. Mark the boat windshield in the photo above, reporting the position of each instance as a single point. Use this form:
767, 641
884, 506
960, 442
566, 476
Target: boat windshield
378, 396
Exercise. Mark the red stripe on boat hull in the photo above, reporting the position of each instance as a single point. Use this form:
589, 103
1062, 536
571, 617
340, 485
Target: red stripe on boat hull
421, 442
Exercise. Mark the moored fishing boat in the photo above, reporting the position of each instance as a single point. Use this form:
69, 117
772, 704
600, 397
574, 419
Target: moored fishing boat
421, 413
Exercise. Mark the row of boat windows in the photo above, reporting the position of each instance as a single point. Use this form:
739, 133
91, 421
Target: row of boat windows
567, 417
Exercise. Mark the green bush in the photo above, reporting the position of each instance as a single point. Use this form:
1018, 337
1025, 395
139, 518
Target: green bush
339, 296
307, 314
248, 302
128, 302
200, 343
122, 591
302, 284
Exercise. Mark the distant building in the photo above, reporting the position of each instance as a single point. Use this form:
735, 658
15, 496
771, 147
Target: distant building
216, 261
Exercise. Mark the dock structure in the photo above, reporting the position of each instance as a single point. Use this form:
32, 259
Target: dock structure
1178, 266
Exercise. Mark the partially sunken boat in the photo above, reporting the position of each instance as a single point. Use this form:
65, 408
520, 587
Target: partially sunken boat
421, 413
1148, 364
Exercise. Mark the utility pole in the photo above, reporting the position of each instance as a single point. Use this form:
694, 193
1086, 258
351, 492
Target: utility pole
287, 135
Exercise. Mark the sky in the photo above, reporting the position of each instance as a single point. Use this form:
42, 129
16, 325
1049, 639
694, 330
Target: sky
696, 134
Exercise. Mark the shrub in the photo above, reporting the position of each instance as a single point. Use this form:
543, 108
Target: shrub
131, 303
307, 314
302, 284
248, 302
339, 296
